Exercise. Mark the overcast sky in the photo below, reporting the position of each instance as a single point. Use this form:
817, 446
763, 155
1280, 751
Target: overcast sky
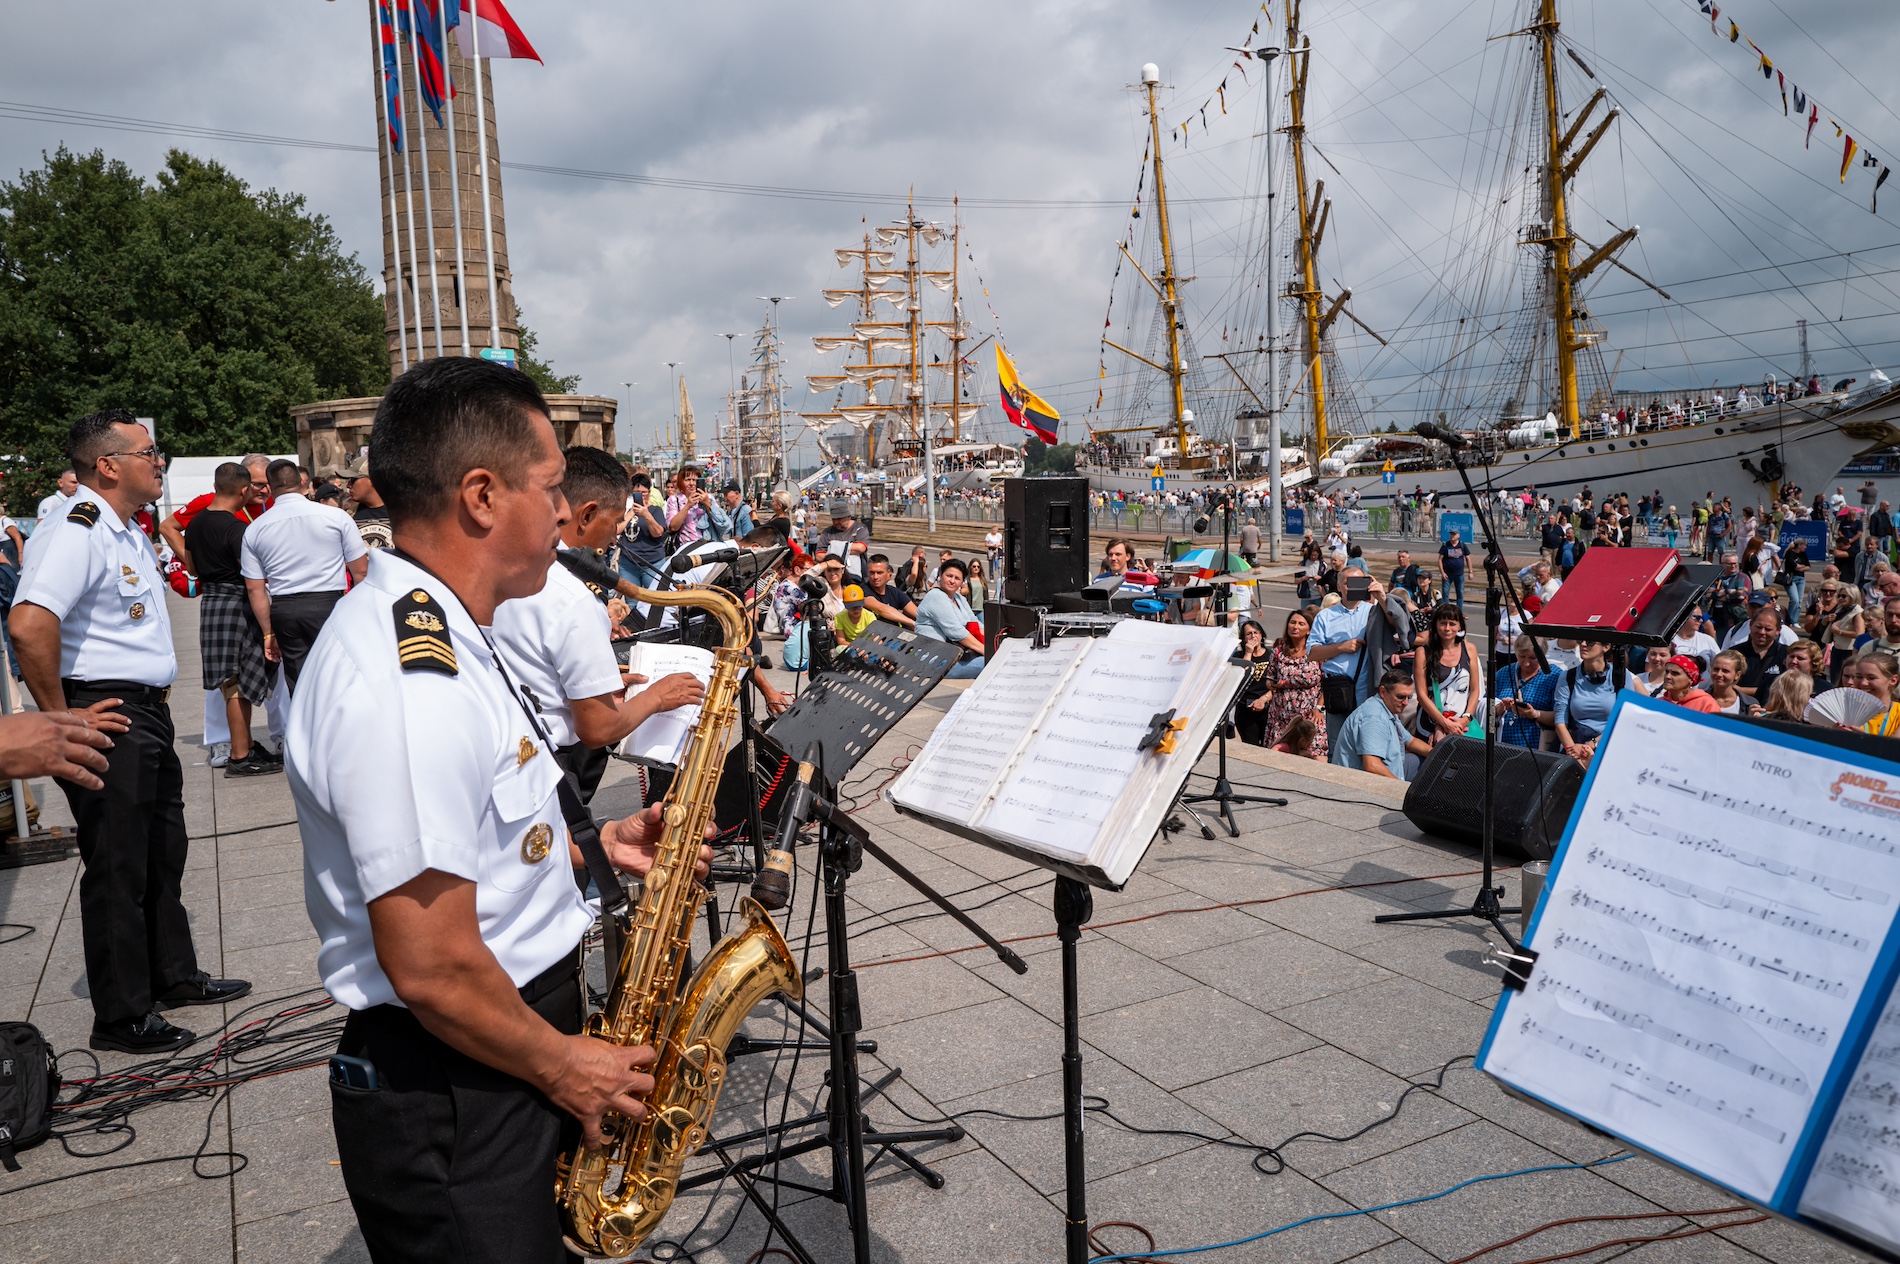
1000, 100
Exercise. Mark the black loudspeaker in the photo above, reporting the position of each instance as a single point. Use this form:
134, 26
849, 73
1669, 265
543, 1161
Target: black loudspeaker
1535, 789
1045, 538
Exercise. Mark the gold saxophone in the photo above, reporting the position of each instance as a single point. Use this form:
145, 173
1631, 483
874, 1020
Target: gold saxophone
613, 1195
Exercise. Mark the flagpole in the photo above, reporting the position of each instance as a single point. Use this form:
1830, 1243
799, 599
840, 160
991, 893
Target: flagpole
1276, 516
455, 181
428, 198
488, 215
408, 204
388, 154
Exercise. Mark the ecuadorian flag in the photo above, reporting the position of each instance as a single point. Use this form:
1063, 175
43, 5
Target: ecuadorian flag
1023, 406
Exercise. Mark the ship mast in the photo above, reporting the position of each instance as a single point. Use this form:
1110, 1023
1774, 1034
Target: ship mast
1314, 209
1559, 168
1166, 282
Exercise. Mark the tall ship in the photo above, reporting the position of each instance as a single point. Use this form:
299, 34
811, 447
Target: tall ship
900, 400
1533, 397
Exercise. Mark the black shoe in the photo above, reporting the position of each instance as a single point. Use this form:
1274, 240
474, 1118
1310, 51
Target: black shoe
255, 764
202, 989
150, 1034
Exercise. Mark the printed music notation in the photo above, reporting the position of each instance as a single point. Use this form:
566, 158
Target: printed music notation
1634, 1071
1767, 911
1868, 1131
1812, 1033
1883, 843
1728, 851
1581, 898
1793, 1081
1885, 1094
1862, 1173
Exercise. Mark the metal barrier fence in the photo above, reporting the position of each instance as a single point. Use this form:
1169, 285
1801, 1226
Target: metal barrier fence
1382, 523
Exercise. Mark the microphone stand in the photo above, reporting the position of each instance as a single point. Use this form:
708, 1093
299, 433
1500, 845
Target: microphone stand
1223, 793
1489, 904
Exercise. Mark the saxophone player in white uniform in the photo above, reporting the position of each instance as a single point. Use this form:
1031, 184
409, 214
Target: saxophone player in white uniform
437, 867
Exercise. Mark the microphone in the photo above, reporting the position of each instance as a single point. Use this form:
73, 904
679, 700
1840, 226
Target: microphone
813, 584
1432, 430
690, 561
587, 568
772, 888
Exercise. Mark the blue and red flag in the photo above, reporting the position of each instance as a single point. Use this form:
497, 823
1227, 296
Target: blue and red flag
431, 56
392, 76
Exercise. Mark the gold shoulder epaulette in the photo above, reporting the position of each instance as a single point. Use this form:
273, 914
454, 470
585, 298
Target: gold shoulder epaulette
85, 513
422, 634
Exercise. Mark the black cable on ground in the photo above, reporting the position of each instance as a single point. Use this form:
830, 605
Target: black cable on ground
23, 929
1267, 1159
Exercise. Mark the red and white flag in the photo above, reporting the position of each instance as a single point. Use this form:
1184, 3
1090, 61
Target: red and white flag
494, 31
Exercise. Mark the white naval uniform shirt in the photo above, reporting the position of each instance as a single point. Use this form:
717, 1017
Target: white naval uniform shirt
102, 582
299, 546
397, 771
558, 644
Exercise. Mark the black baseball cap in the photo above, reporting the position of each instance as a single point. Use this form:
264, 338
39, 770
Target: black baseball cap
732, 485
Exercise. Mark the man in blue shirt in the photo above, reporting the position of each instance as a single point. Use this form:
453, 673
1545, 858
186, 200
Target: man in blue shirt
1371, 739
1335, 643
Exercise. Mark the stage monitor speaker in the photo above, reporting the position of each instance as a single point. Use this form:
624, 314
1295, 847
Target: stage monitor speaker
1045, 538
1535, 792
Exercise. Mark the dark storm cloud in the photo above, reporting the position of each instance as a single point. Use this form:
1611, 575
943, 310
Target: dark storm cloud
1003, 100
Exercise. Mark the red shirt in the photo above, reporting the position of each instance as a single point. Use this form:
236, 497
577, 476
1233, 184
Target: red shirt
200, 503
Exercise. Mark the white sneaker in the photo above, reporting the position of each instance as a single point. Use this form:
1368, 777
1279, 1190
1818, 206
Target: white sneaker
220, 755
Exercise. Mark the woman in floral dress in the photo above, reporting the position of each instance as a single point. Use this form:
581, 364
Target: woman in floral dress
1295, 685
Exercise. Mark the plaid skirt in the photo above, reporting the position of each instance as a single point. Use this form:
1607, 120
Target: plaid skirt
231, 643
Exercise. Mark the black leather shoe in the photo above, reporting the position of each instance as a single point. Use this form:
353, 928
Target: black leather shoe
202, 989
150, 1034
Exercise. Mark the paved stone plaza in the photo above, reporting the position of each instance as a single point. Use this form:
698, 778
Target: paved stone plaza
1290, 1012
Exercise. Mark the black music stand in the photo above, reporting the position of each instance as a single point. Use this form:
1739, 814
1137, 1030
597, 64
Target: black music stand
869, 686
1222, 795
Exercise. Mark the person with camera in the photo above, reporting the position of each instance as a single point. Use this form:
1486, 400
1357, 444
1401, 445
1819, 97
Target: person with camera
643, 537
689, 510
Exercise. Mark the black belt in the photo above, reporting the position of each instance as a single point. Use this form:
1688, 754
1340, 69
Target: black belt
556, 976
125, 689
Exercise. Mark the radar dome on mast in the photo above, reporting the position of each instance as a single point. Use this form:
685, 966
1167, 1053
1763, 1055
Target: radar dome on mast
1151, 73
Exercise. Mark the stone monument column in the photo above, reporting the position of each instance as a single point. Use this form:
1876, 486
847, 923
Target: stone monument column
411, 271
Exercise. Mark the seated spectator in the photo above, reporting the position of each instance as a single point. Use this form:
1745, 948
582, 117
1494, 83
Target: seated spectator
1679, 685
1372, 739
945, 614
1586, 694
882, 595
1526, 698
1877, 672
854, 618
1724, 672
1788, 697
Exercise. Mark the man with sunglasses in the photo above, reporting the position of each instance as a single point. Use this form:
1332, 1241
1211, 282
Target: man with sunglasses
92, 632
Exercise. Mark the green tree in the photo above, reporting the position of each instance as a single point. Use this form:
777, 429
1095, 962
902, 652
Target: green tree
191, 299
1045, 458
550, 382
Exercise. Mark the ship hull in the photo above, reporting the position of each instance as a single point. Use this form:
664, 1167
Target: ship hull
1132, 480
1684, 464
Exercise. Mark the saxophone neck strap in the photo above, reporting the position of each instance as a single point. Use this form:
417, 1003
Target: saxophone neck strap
581, 825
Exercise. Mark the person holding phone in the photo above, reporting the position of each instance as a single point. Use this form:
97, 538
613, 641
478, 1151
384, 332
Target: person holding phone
1336, 642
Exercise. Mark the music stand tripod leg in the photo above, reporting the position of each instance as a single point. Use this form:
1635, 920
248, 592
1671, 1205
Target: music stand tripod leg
1074, 905
1489, 905
1223, 792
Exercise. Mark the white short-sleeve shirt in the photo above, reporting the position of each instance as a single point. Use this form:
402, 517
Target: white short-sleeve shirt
559, 646
300, 546
99, 575
398, 767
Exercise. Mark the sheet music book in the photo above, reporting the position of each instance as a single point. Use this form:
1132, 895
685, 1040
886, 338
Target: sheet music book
661, 739
1041, 755
1717, 951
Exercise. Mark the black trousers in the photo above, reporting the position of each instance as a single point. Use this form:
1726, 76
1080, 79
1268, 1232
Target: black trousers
132, 844
587, 763
449, 1159
296, 620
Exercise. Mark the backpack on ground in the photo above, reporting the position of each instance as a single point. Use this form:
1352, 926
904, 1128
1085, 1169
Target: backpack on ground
28, 1085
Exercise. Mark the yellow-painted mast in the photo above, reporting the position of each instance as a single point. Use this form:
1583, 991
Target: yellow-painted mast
1559, 240
1170, 296
1306, 289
